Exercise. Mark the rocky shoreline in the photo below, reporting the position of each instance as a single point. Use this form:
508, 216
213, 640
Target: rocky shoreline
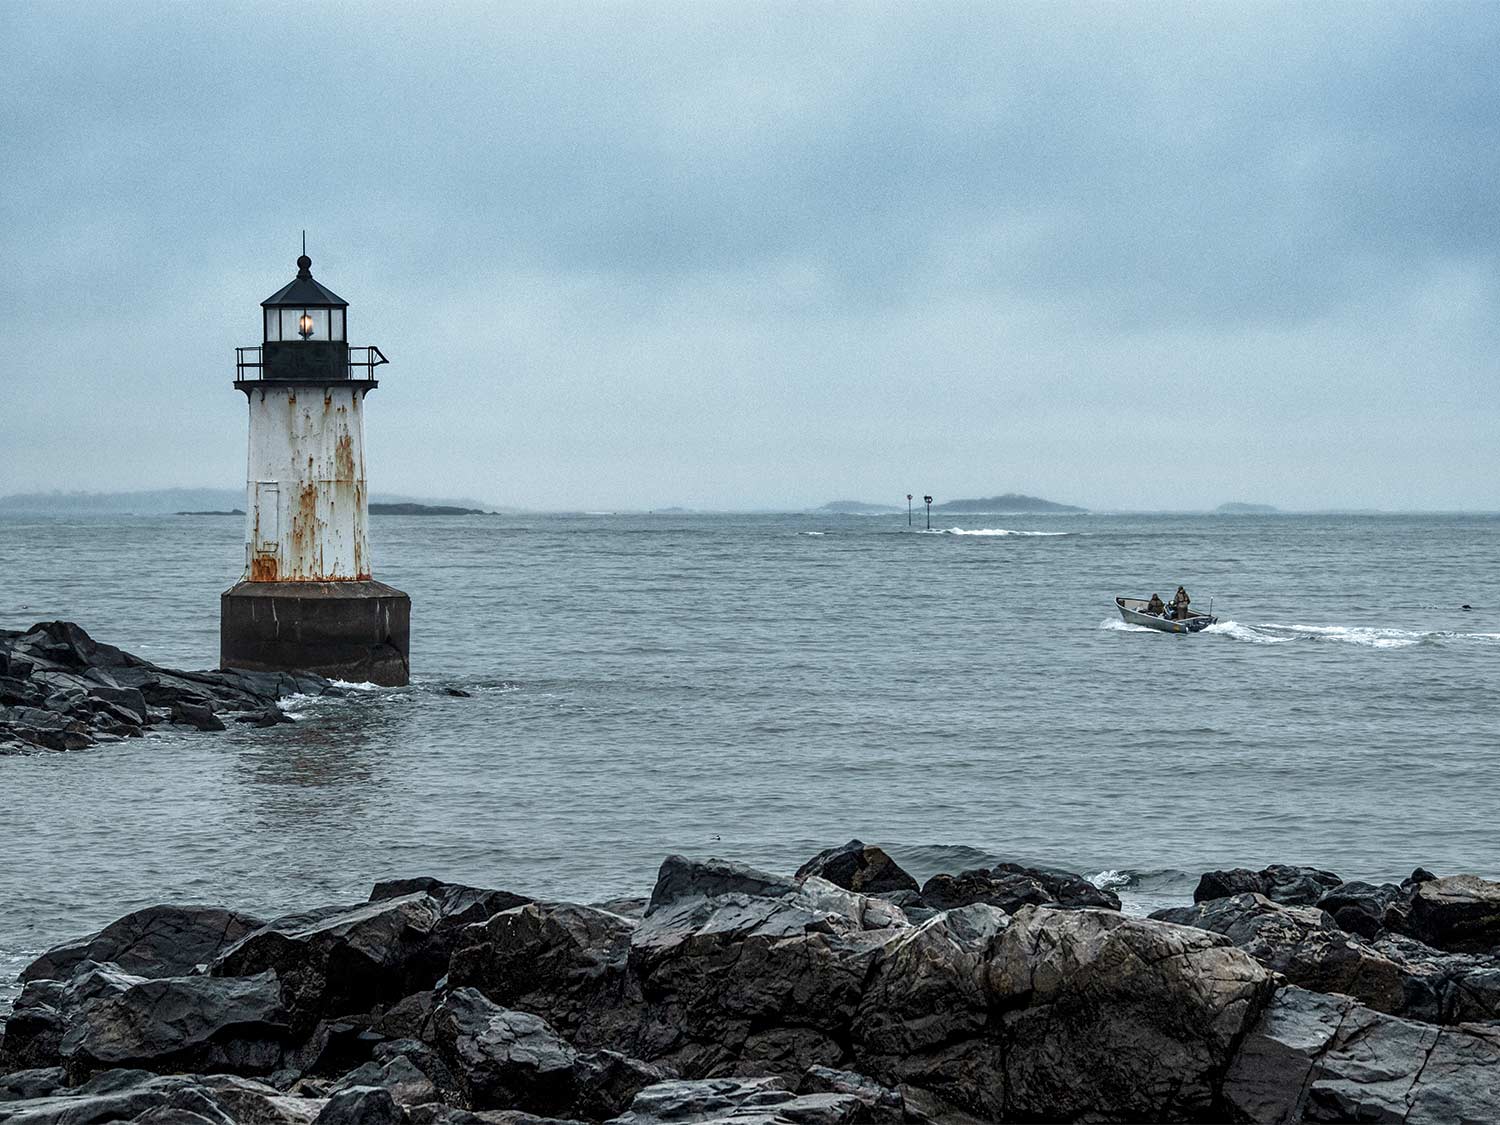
62, 690
845, 993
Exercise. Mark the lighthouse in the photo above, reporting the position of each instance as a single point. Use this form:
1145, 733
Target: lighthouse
307, 601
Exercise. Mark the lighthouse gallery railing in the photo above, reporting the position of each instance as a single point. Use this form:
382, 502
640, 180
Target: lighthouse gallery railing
249, 366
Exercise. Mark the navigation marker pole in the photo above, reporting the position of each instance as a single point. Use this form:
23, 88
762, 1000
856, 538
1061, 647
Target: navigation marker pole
908, 509
928, 501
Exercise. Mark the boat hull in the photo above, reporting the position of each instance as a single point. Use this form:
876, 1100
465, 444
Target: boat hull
1133, 611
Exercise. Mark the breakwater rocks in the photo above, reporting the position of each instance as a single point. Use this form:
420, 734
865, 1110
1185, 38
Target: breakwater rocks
61, 690
843, 994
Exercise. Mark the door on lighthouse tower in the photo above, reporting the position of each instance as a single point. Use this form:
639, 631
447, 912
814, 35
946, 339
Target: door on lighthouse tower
265, 542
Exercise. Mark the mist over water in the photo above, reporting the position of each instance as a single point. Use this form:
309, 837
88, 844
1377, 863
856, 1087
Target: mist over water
760, 687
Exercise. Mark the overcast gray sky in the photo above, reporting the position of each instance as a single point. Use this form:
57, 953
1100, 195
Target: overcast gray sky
735, 255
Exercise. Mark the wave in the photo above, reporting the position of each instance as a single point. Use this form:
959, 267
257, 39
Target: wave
991, 531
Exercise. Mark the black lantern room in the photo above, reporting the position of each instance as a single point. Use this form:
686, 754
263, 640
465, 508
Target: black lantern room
305, 330
304, 339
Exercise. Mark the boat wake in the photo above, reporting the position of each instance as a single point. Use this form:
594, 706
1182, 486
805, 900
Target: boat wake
1115, 625
994, 532
1364, 636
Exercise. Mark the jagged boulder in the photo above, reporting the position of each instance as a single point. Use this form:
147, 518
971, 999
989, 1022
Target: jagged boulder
739, 981
1107, 1017
177, 1099
761, 1101
857, 866
1368, 909
237, 1026
562, 961
924, 1017
158, 941
504, 1059
1460, 913
682, 878
1303, 944
344, 959
1010, 886
1312, 1057
1284, 883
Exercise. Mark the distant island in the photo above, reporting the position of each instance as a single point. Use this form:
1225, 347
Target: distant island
208, 502
855, 507
411, 509
1239, 508
1012, 503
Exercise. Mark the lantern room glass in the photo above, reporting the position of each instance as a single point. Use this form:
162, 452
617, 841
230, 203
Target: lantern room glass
284, 323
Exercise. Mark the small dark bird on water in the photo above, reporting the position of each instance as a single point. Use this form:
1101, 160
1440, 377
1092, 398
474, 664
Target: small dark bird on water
1466, 605
715, 836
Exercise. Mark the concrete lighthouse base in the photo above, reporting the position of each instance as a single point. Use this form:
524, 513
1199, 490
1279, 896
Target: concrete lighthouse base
355, 631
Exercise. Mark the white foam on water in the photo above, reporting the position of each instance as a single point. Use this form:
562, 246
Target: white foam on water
1110, 879
1116, 625
1366, 636
1235, 631
818, 533
991, 531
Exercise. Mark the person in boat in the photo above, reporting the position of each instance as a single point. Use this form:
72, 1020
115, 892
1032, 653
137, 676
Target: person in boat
1180, 610
1155, 607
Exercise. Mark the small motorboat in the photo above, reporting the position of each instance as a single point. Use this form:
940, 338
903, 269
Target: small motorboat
1133, 610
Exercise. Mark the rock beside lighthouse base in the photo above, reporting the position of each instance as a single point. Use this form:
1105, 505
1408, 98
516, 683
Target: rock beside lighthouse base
354, 631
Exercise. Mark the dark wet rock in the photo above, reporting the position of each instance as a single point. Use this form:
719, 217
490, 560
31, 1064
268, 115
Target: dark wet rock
198, 715
505, 1059
857, 866
237, 1026
1313, 1057
704, 1100
47, 1010
60, 690
139, 1096
1280, 882
1368, 909
882, 1104
683, 878
269, 717
158, 941
341, 960
1443, 987
924, 1017
1107, 1017
35, 1028
35, 1083
564, 961
1460, 913
737, 981
1011, 886
407, 1083
1303, 944
362, 1105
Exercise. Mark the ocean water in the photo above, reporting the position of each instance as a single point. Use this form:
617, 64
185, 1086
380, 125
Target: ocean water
760, 687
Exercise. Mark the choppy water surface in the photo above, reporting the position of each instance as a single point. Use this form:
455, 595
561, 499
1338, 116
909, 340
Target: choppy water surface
761, 687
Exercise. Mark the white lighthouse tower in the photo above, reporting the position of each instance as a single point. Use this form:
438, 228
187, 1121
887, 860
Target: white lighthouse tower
307, 600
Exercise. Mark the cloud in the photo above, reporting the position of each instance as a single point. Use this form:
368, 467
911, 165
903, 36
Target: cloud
766, 254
